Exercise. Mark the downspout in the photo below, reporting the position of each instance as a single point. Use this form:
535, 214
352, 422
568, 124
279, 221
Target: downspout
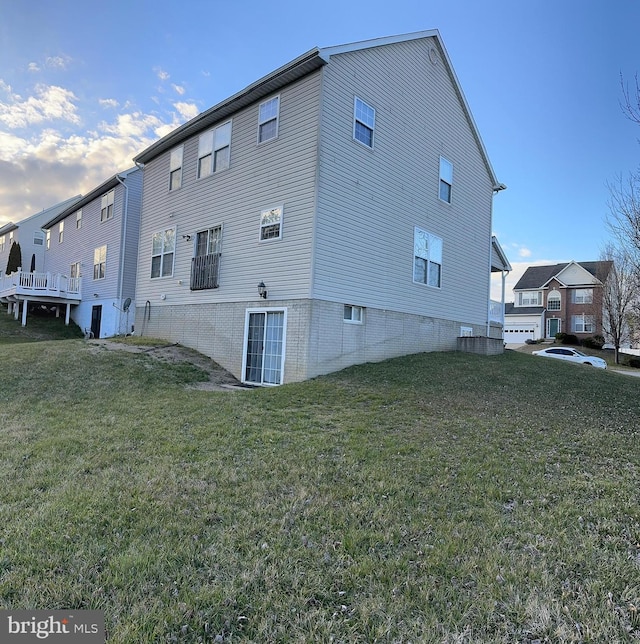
123, 245
496, 189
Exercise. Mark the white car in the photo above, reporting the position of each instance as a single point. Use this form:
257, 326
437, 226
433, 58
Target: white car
571, 355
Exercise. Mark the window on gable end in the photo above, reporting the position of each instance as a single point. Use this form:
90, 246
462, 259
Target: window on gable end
364, 122
446, 179
427, 260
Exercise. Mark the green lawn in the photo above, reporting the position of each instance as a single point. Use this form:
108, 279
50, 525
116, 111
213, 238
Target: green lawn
441, 497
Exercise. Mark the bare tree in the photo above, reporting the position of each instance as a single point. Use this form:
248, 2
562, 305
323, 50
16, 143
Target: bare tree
624, 215
619, 294
631, 100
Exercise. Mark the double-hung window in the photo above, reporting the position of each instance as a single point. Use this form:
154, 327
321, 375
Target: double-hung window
175, 168
364, 122
268, 119
75, 270
106, 206
213, 150
61, 232
530, 298
79, 219
553, 301
271, 223
582, 323
48, 239
162, 252
3, 242
99, 263
583, 296
446, 179
427, 258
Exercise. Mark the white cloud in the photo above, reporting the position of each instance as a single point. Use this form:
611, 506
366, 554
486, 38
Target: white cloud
33, 67
161, 74
58, 62
49, 103
178, 89
187, 110
524, 252
108, 102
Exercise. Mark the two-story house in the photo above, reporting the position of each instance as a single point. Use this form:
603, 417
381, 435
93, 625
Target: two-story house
30, 235
94, 242
560, 298
336, 211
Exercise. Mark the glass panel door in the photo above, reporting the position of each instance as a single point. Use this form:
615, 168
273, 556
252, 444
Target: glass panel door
265, 347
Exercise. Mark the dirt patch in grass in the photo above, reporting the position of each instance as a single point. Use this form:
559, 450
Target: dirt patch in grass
219, 378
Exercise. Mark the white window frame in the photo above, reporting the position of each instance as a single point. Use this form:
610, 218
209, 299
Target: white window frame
466, 331
524, 298
106, 206
100, 263
266, 116
554, 297
265, 311
163, 253
38, 238
3, 242
586, 323
427, 248
76, 269
353, 314
176, 158
582, 296
446, 180
79, 219
364, 115
211, 144
268, 222
61, 232
47, 239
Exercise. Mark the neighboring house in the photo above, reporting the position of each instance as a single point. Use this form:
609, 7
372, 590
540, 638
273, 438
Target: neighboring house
95, 243
334, 212
30, 235
561, 298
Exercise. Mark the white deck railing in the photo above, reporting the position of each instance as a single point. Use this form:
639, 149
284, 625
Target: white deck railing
40, 285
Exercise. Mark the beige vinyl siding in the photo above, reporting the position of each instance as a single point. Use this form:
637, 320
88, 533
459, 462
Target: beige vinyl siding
278, 172
370, 200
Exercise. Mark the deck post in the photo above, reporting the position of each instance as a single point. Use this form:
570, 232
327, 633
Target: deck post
67, 314
24, 312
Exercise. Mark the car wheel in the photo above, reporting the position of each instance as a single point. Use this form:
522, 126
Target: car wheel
589, 364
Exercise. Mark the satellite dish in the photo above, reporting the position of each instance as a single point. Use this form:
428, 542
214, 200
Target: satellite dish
127, 304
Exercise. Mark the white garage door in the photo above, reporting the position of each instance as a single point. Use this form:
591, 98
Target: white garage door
518, 333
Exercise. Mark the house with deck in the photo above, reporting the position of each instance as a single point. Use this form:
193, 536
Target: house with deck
334, 212
557, 298
31, 236
93, 243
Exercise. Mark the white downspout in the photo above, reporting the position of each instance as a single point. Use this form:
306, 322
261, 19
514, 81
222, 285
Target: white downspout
123, 246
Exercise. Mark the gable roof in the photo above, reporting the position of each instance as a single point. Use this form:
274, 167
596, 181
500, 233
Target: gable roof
45, 213
296, 69
539, 276
80, 202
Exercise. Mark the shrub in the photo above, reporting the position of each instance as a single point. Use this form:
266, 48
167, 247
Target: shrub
595, 342
634, 362
569, 338
561, 336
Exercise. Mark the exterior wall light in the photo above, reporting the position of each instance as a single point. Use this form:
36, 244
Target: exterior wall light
262, 290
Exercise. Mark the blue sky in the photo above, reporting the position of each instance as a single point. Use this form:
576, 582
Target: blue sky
85, 86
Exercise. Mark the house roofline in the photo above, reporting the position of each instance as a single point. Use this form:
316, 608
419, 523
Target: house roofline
296, 69
111, 182
269, 84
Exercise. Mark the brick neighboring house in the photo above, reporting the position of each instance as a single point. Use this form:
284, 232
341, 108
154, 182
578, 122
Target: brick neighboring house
561, 298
